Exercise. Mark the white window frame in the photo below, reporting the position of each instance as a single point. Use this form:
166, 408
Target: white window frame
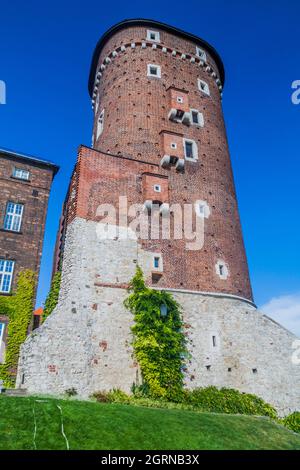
205, 88
13, 218
23, 174
195, 150
6, 276
100, 124
200, 122
179, 99
201, 53
158, 70
157, 188
156, 34
160, 262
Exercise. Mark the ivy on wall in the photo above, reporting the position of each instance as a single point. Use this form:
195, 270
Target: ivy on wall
52, 297
18, 308
158, 340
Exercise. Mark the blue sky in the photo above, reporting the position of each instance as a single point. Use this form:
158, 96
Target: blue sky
45, 54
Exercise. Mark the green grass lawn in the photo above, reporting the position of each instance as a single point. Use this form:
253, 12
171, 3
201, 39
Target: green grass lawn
89, 425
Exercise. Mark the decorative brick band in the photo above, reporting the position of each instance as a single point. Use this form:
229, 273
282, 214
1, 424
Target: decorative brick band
166, 50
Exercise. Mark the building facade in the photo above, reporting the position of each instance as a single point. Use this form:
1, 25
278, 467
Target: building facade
159, 143
25, 187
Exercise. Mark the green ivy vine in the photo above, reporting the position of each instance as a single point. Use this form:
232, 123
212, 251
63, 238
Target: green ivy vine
52, 297
18, 308
159, 343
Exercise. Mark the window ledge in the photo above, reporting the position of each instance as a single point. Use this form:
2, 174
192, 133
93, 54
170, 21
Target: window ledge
20, 179
10, 231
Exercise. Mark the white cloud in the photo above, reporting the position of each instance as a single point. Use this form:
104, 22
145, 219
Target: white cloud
285, 310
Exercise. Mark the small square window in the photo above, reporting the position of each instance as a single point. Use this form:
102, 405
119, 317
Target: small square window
153, 35
203, 86
157, 188
21, 174
153, 71
179, 99
200, 53
173, 145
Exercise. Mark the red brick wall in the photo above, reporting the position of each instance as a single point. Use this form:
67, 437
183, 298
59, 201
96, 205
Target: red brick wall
103, 178
25, 247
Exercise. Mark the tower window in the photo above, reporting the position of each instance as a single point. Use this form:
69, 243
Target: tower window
21, 174
197, 118
156, 262
153, 71
222, 270
157, 188
190, 149
173, 145
179, 99
6, 274
13, 217
214, 341
203, 86
100, 124
200, 53
153, 35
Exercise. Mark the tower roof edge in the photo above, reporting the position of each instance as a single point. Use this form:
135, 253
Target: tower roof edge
156, 24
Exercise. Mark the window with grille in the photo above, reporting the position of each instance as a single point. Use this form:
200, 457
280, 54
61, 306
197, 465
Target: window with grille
13, 217
6, 274
21, 174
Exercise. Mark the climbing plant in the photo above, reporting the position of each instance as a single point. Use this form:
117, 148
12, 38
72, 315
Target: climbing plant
18, 308
158, 340
52, 297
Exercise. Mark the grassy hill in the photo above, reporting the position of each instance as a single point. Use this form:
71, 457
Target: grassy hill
30, 422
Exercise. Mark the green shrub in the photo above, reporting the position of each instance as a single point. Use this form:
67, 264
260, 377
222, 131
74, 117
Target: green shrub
52, 297
18, 307
227, 400
292, 421
158, 341
113, 396
71, 392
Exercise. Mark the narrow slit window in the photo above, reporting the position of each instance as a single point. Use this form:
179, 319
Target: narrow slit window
156, 262
214, 341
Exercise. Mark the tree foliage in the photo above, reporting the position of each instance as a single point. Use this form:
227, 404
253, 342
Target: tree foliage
52, 297
158, 341
18, 308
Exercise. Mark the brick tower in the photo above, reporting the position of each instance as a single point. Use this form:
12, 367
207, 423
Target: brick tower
159, 141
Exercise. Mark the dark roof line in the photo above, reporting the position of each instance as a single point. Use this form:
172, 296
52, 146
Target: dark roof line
22, 156
156, 24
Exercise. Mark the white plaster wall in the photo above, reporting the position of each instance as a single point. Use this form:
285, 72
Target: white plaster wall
87, 338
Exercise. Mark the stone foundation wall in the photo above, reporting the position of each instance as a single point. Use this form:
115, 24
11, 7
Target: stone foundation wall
85, 343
